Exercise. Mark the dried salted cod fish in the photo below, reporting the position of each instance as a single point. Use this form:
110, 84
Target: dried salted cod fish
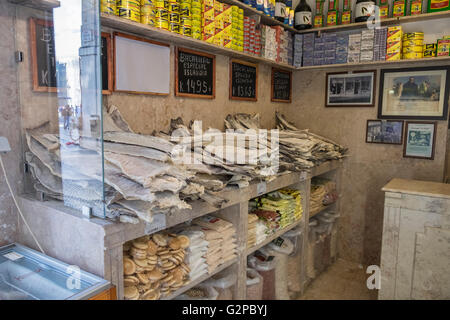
42, 174
46, 158
119, 121
192, 189
213, 200
139, 169
281, 120
121, 148
128, 219
139, 140
211, 183
130, 189
141, 208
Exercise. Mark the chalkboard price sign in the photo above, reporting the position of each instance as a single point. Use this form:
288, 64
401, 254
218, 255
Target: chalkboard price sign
243, 80
43, 55
195, 74
281, 86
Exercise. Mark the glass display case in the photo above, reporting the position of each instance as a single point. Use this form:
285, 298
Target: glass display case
29, 275
58, 53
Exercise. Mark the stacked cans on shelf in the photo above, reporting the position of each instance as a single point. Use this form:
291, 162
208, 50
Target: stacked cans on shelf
367, 45
237, 28
308, 49
342, 40
268, 43
196, 19
354, 47
147, 12
394, 43
186, 17
330, 43
208, 22
319, 51
129, 9
218, 23
252, 42
412, 45
161, 12
108, 6
298, 50
379, 50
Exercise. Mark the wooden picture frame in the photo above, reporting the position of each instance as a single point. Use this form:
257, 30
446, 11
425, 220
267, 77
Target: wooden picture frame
272, 85
193, 95
132, 37
348, 103
420, 124
33, 22
110, 67
231, 97
400, 139
393, 103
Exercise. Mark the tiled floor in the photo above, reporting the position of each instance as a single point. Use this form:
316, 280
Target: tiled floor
343, 280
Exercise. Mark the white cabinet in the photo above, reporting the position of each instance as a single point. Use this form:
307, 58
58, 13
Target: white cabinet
415, 255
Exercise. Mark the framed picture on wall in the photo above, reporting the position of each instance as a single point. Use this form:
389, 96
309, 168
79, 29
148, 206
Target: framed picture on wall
355, 89
414, 93
384, 131
420, 140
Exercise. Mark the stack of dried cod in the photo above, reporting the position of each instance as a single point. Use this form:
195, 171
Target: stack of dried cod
299, 149
143, 174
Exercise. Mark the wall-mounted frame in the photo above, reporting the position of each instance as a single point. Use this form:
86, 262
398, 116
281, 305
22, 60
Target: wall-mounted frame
281, 86
243, 80
384, 131
420, 140
414, 93
355, 89
107, 63
141, 66
195, 74
43, 59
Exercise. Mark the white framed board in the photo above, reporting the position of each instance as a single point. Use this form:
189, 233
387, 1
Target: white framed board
141, 66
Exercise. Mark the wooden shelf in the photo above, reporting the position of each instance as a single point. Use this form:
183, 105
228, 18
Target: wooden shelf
423, 61
272, 237
326, 167
314, 213
385, 22
125, 25
200, 280
265, 19
45, 5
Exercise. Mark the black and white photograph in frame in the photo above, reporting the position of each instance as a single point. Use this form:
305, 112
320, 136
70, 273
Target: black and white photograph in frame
350, 89
384, 131
414, 93
420, 140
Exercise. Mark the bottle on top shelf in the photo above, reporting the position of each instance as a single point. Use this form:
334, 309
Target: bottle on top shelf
346, 16
333, 14
364, 9
303, 16
399, 8
383, 8
318, 17
280, 10
415, 7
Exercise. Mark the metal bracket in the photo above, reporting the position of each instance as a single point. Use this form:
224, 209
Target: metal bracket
87, 212
18, 56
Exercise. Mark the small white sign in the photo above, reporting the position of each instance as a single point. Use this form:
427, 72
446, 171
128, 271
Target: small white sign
261, 188
303, 176
13, 256
158, 224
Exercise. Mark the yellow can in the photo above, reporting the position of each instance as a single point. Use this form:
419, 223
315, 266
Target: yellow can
413, 36
412, 43
174, 17
147, 3
148, 19
414, 55
162, 4
412, 49
161, 14
162, 24
174, 27
174, 7
187, 21
196, 32
185, 9
108, 6
186, 30
129, 9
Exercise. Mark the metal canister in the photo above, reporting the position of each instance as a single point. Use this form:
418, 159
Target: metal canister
162, 24
174, 17
413, 55
147, 3
186, 30
129, 9
185, 20
161, 4
174, 27
196, 32
413, 36
196, 3
185, 9
174, 6
108, 6
161, 18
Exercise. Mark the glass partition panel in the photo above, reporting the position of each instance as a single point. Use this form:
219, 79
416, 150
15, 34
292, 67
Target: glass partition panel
60, 97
